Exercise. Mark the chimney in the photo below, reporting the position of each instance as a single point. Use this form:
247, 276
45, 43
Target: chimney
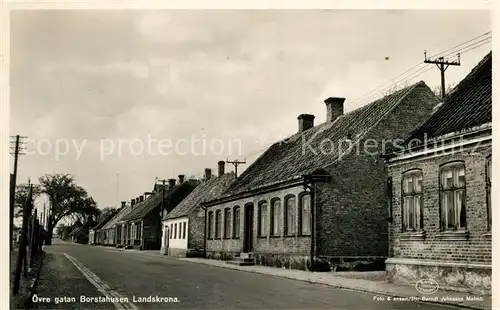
306, 121
221, 165
181, 178
123, 204
334, 108
171, 183
141, 198
208, 174
132, 202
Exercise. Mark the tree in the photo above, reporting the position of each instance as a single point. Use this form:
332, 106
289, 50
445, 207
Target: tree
437, 90
21, 195
66, 199
106, 213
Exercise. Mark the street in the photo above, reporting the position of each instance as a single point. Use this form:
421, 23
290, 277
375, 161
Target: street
73, 270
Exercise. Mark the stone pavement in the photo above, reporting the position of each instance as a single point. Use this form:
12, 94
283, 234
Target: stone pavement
378, 288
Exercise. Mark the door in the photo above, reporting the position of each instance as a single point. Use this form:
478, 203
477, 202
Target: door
248, 229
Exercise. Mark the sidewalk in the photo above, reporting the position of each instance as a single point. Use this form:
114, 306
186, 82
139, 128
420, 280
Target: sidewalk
350, 281
377, 288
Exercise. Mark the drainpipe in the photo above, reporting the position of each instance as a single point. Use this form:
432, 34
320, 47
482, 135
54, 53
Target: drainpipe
204, 231
309, 185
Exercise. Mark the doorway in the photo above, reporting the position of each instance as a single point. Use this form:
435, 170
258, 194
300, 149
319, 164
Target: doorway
248, 229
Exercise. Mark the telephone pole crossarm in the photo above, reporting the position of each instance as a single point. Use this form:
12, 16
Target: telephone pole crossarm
235, 163
442, 65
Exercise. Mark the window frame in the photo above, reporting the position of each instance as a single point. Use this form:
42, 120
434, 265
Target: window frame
419, 219
236, 222
263, 227
453, 166
286, 227
300, 222
227, 223
275, 230
218, 224
175, 230
210, 224
489, 172
184, 224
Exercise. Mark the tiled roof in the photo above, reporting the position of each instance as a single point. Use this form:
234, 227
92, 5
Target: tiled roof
154, 201
467, 106
118, 217
206, 191
105, 220
287, 159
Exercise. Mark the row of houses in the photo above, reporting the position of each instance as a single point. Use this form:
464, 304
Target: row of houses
402, 184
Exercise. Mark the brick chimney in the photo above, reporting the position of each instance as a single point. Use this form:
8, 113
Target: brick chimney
306, 121
171, 183
334, 108
181, 178
221, 165
141, 198
208, 174
123, 204
132, 202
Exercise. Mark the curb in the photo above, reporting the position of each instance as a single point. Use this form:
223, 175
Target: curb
349, 288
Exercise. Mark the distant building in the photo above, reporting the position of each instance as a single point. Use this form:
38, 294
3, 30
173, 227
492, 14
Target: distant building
184, 227
94, 231
320, 193
441, 191
141, 228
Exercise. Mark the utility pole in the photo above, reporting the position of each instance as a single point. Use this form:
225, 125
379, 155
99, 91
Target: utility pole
162, 196
442, 64
235, 163
18, 147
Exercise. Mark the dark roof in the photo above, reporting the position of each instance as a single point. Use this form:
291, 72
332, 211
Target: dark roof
206, 191
287, 159
105, 220
118, 217
467, 106
144, 208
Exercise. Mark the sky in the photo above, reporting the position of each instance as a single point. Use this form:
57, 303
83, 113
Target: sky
117, 98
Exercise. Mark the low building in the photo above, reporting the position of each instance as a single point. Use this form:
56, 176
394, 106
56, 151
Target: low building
142, 228
441, 191
184, 227
106, 235
93, 232
320, 193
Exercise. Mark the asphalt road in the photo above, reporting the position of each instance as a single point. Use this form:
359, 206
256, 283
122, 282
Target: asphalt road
130, 275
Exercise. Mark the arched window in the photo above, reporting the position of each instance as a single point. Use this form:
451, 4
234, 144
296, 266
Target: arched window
210, 225
227, 223
275, 217
218, 223
452, 190
305, 214
290, 216
236, 222
263, 222
412, 201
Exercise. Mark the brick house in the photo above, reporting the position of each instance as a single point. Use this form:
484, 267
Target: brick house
184, 228
141, 228
318, 193
441, 205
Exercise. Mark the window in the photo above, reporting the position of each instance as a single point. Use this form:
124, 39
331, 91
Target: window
263, 227
218, 223
175, 231
171, 231
305, 214
180, 230
227, 223
236, 222
275, 217
488, 191
210, 224
184, 230
452, 187
291, 216
412, 201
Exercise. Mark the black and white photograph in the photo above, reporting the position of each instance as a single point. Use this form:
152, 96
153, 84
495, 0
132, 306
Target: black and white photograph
253, 158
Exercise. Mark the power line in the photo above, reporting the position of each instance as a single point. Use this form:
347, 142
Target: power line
451, 48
